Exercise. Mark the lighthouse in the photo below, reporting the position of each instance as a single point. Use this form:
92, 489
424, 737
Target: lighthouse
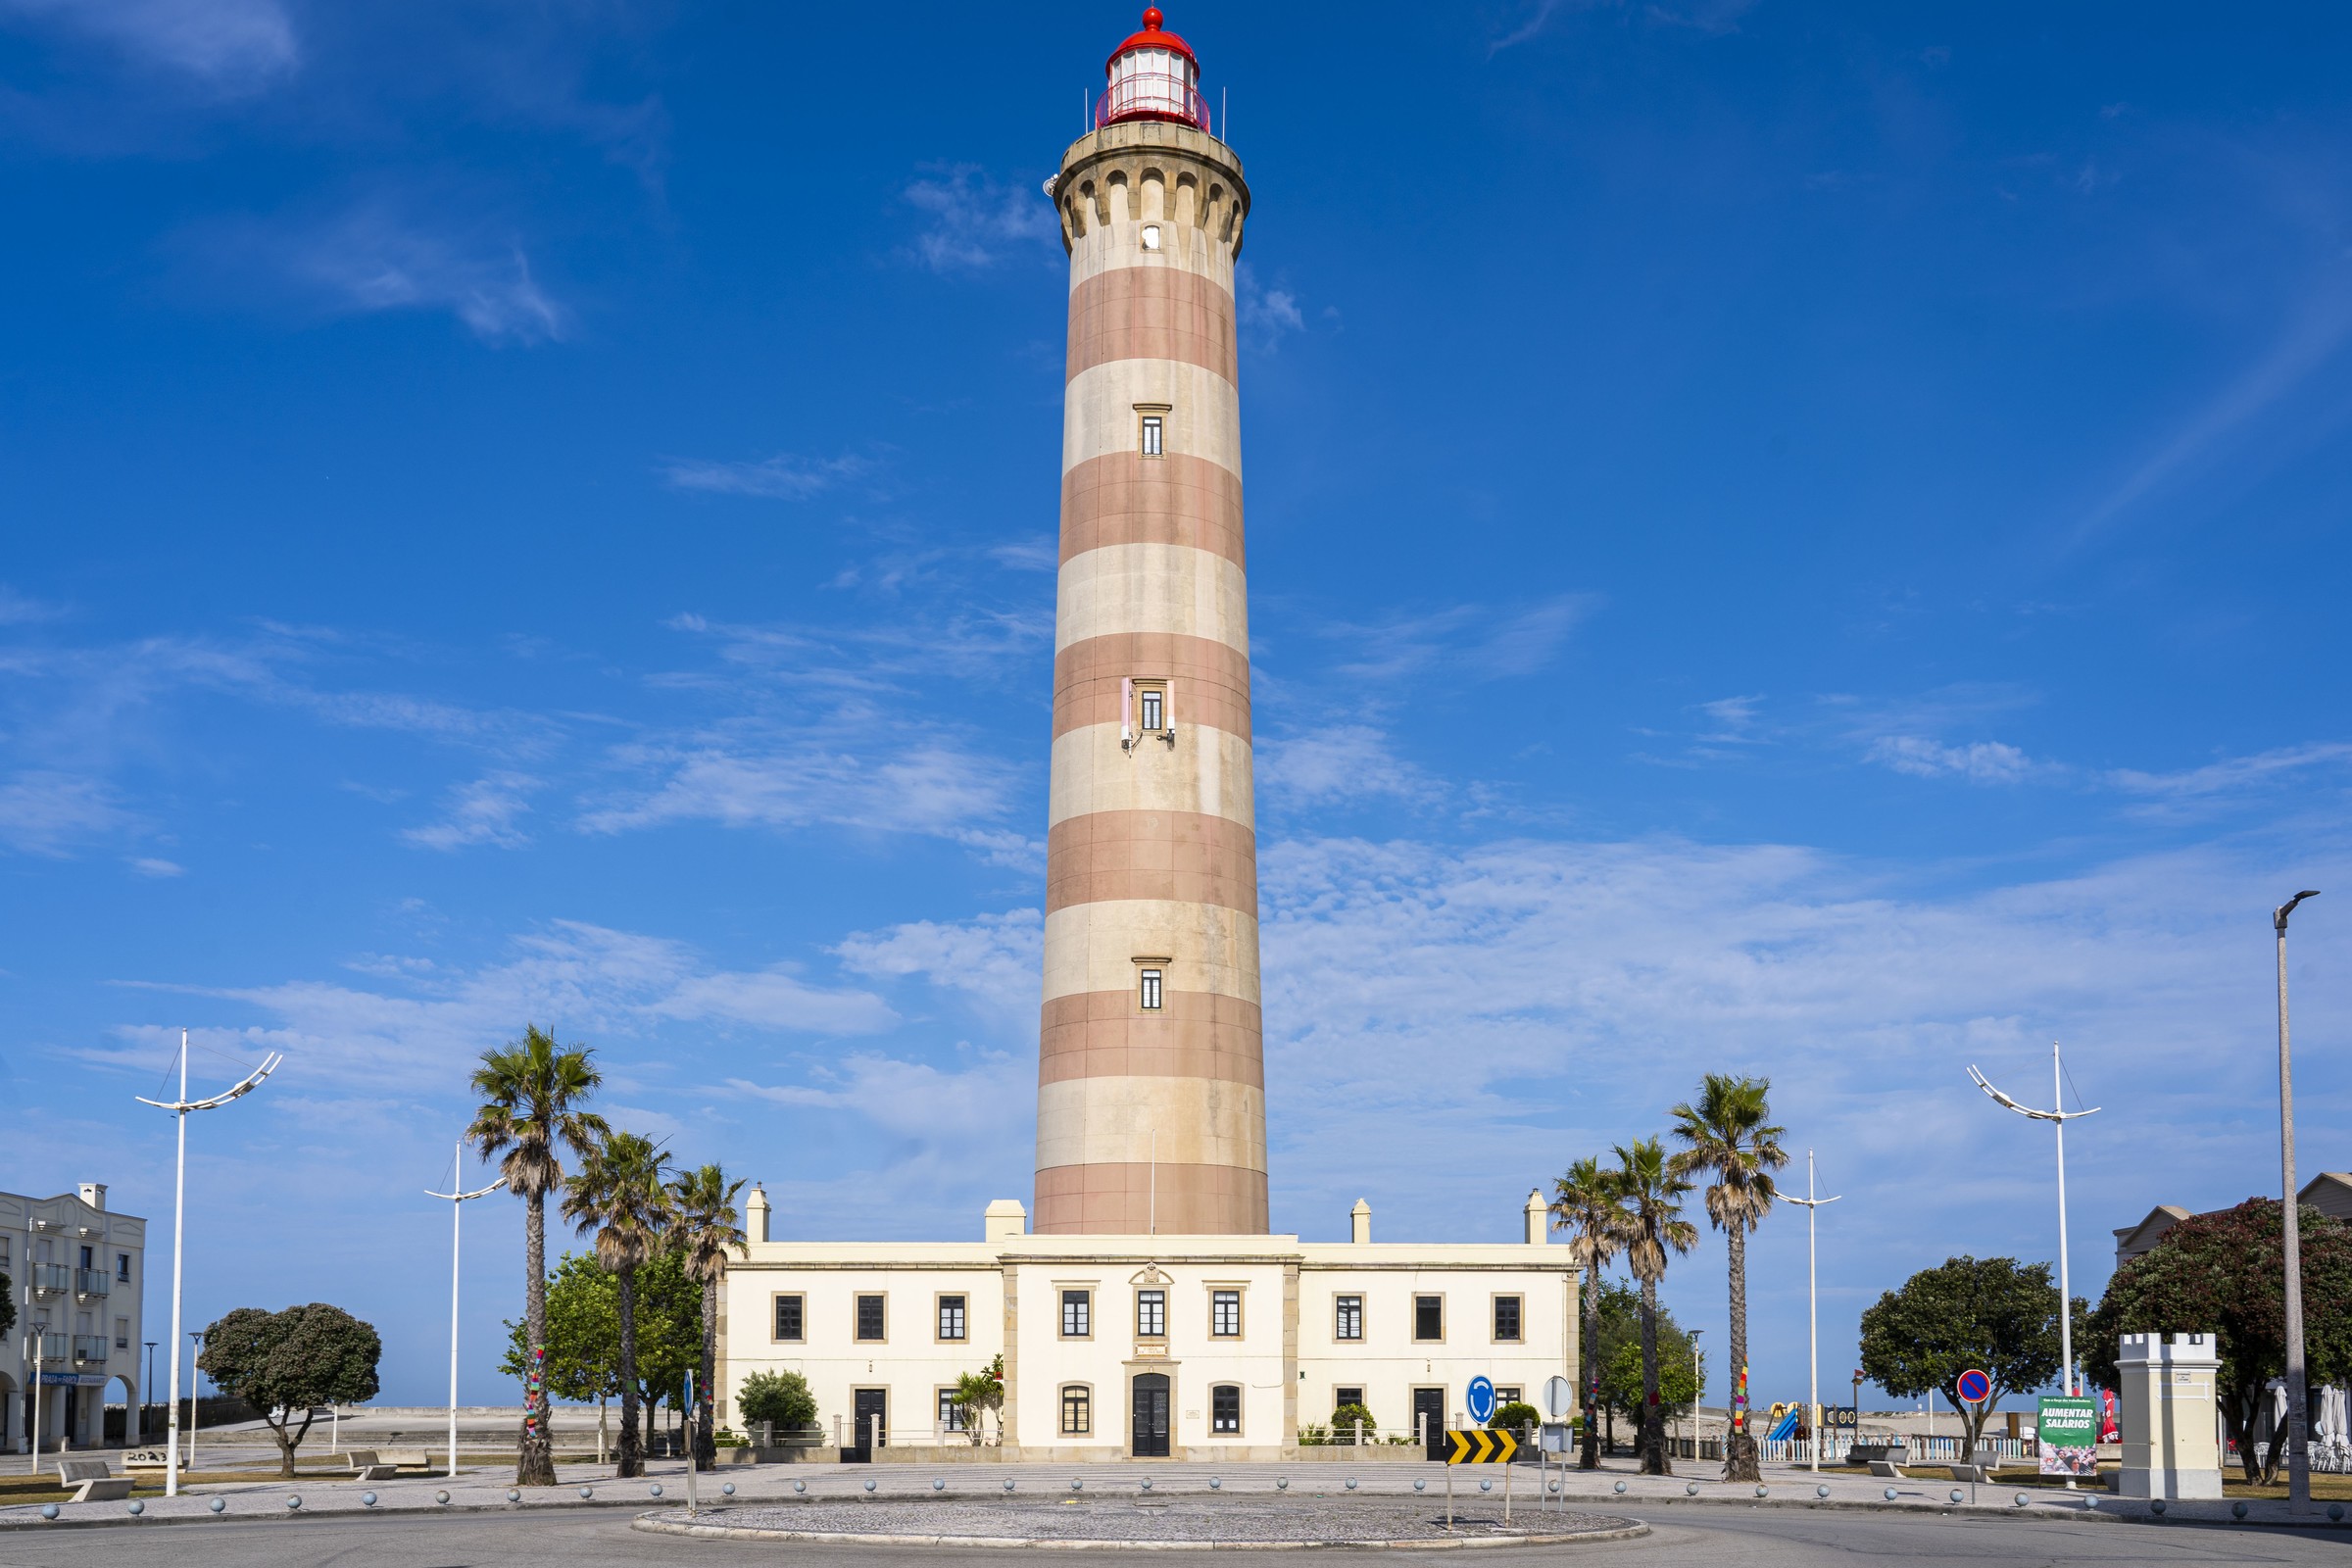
1150, 1114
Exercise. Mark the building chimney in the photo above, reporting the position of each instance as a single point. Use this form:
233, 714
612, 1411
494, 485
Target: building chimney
754, 1213
94, 1195
1539, 1219
1360, 1223
1004, 1219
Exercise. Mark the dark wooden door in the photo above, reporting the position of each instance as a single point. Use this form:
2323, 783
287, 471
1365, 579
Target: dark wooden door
1429, 1414
872, 1408
1149, 1428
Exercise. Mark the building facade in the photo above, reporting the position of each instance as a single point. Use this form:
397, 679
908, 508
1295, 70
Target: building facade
76, 1274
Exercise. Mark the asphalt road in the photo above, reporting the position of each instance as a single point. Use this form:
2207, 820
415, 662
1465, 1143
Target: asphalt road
1755, 1538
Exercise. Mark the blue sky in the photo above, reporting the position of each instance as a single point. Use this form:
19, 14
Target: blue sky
1787, 539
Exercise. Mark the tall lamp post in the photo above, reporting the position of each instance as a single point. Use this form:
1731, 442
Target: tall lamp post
457, 1207
180, 1110
2298, 1452
2058, 1116
1812, 1309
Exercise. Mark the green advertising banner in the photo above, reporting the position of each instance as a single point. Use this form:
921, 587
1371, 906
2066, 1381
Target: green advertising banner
2068, 1435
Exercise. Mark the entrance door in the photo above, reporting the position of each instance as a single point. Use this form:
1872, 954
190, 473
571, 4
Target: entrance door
870, 1409
1149, 1431
1429, 1414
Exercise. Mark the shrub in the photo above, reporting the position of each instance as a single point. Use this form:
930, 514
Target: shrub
779, 1396
1312, 1435
1343, 1420
1515, 1417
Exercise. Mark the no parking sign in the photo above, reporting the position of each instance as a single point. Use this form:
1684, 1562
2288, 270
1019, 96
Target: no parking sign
1975, 1386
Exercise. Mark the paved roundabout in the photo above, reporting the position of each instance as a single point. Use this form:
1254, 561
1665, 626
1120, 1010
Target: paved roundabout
1173, 1523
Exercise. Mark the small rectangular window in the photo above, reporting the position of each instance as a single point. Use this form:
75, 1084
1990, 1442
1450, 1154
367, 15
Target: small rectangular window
1429, 1317
789, 1321
870, 1320
1077, 1315
1344, 1395
1148, 998
1225, 1314
122, 1332
1351, 1324
1151, 236
1506, 1318
121, 1264
1077, 1412
951, 1414
1152, 1314
1225, 1408
89, 1258
1151, 702
950, 1317
1152, 434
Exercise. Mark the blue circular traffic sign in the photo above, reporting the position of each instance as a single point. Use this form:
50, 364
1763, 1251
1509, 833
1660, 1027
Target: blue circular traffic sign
1975, 1386
1482, 1399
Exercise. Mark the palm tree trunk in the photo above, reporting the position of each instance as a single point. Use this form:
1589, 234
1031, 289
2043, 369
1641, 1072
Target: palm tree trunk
1653, 1414
705, 1441
632, 1449
1588, 1456
534, 1453
1739, 1461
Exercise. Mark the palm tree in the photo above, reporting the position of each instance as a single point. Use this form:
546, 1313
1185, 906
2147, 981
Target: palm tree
531, 1092
1585, 1204
1650, 1197
622, 1195
1728, 1138
707, 1227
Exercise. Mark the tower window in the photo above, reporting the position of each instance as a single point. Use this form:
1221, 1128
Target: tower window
1152, 708
1148, 996
1152, 435
1151, 236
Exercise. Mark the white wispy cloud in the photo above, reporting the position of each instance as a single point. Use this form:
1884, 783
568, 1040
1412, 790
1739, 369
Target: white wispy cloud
914, 1100
484, 811
229, 47
978, 221
996, 959
1977, 761
1477, 641
782, 477
44, 812
151, 865
22, 610
1336, 763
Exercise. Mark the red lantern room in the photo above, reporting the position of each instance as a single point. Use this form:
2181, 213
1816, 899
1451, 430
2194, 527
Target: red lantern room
1153, 75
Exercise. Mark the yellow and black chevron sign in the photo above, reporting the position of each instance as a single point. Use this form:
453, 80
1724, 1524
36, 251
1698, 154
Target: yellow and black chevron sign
1481, 1447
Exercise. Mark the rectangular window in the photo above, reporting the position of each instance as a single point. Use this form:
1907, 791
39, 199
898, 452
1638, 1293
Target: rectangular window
951, 1414
1152, 705
1225, 1314
1429, 1317
789, 1321
1344, 1395
1077, 1412
870, 1320
4, 1256
1351, 1324
1152, 431
1077, 1315
123, 1332
1148, 996
89, 1258
1506, 1319
1152, 1314
1225, 1408
121, 1264
950, 1317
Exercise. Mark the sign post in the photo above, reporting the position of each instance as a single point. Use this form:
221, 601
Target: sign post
1483, 1447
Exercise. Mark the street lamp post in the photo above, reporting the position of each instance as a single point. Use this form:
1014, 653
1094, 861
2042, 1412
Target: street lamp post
180, 1110
2298, 1452
457, 1205
1812, 1309
2058, 1116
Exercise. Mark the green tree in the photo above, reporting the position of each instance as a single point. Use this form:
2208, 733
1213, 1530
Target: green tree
1994, 1315
1515, 1418
1653, 1196
531, 1093
1617, 1352
290, 1362
708, 1228
620, 1196
782, 1397
979, 1392
583, 1331
1585, 1204
8, 1305
1728, 1138
2223, 1273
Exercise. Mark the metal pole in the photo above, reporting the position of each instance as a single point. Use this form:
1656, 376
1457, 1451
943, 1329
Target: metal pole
693, 1505
1812, 1206
179, 1252
2066, 1299
36, 1399
2298, 1452
457, 1211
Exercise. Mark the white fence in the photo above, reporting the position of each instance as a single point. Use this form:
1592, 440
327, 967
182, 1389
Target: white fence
1917, 1450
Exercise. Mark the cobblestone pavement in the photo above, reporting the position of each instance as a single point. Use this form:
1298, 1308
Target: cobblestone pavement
1193, 1517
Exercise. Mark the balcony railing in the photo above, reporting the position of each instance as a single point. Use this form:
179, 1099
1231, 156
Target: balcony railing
50, 1348
89, 1347
92, 1282
52, 1278
1151, 95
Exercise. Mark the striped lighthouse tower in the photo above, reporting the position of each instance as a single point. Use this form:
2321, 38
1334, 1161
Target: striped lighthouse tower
1151, 1113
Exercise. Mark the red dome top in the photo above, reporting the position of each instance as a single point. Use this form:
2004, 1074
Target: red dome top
1153, 38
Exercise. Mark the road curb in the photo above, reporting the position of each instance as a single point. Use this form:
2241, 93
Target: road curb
1631, 1530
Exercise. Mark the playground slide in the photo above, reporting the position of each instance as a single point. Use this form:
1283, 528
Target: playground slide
1786, 1429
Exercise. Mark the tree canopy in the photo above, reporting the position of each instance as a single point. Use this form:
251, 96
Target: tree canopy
286, 1363
1617, 1352
1994, 1315
2224, 1274
583, 1330
779, 1396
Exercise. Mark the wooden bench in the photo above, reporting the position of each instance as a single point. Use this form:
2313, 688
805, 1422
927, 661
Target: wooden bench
92, 1481
365, 1466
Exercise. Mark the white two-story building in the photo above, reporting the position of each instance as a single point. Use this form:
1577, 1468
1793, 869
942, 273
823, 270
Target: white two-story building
75, 1276
1145, 1347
